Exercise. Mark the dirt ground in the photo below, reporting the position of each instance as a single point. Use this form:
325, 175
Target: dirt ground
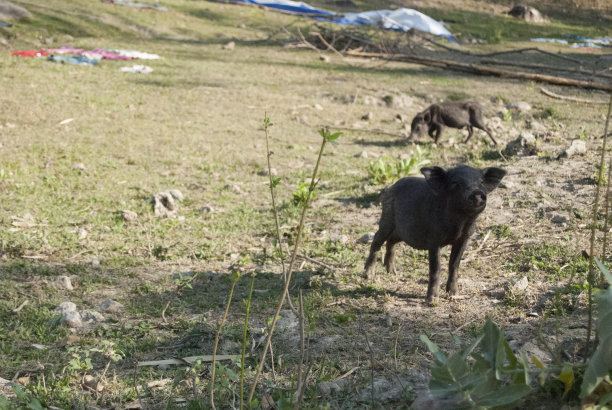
80, 145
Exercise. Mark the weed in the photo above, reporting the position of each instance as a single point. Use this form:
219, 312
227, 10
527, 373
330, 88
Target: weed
502, 231
382, 171
549, 112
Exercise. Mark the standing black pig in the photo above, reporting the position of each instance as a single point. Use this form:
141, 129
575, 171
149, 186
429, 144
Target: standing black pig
431, 213
451, 114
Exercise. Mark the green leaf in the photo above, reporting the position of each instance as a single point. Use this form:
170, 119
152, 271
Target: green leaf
606, 399
510, 356
538, 363
457, 366
434, 349
504, 396
525, 362
35, 404
604, 270
596, 369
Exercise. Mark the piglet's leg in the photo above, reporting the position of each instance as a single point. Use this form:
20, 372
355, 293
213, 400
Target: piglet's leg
470, 132
390, 254
434, 274
453, 265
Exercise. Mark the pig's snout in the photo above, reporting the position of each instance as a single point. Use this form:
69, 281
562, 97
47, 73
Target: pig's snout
478, 198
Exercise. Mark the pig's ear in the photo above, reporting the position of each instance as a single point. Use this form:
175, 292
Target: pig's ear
427, 117
436, 178
491, 177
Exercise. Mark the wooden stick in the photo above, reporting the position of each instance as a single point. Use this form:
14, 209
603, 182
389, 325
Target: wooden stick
23, 304
316, 262
568, 98
329, 46
546, 67
483, 70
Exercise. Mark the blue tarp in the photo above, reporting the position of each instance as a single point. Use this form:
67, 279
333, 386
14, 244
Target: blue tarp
400, 19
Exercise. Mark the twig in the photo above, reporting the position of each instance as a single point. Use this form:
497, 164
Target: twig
306, 42
399, 327
591, 271
178, 291
324, 133
369, 131
219, 326
365, 333
316, 262
473, 254
546, 67
329, 46
136, 388
244, 341
302, 376
18, 308
569, 98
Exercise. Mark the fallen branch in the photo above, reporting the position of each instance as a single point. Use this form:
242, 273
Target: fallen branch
23, 304
185, 361
569, 98
329, 46
482, 70
316, 262
546, 67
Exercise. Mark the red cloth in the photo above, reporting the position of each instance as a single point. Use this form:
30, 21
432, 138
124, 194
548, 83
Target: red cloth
30, 53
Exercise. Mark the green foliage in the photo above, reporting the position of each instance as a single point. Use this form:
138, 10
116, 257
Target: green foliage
302, 195
490, 376
549, 112
507, 116
383, 172
600, 364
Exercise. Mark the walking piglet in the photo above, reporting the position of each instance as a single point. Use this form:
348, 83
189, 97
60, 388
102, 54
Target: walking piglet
450, 114
431, 213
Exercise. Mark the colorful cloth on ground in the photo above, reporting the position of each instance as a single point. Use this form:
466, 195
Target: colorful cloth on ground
78, 60
136, 54
30, 53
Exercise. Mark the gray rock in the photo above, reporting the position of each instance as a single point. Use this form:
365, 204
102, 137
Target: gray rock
65, 307
524, 145
176, 194
229, 46
62, 282
234, 188
206, 209
520, 284
576, 147
387, 390
519, 106
91, 318
324, 58
265, 172
366, 238
230, 347
164, 204
78, 166
333, 387
367, 117
129, 216
536, 127
362, 154
111, 306
336, 237
6, 388
71, 319
401, 118
95, 263
560, 219
529, 14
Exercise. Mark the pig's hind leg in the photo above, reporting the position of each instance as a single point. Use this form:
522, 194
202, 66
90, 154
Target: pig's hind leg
476, 121
390, 253
384, 231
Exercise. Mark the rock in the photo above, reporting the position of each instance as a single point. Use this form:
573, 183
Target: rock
362, 154
63, 282
111, 306
368, 116
72, 319
230, 347
384, 390
206, 209
10, 11
495, 123
324, 58
241, 25
576, 147
129, 216
82, 234
529, 14
333, 387
288, 326
90, 383
78, 166
265, 172
559, 219
336, 237
520, 284
65, 307
536, 127
234, 188
229, 46
318, 107
521, 107
6, 388
524, 145
165, 204
366, 238
401, 118
91, 318
95, 263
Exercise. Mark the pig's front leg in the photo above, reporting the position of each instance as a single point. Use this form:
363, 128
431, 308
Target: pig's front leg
434, 273
453, 265
435, 130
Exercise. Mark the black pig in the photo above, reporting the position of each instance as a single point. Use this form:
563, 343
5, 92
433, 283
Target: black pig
431, 213
451, 114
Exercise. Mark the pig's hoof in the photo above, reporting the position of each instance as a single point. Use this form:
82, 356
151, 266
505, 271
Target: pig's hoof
432, 301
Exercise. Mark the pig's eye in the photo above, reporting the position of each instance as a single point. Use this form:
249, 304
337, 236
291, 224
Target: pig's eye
455, 186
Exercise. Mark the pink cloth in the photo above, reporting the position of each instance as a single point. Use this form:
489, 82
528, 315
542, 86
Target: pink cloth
71, 50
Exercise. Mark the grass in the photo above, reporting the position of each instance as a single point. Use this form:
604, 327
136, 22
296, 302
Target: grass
194, 124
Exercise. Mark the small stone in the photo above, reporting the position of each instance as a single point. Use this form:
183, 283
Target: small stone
78, 166
559, 219
366, 238
229, 46
176, 194
533, 314
529, 14
229, 347
265, 172
111, 306
90, 383
332, 387
129, 216
165, 203
65, 307
71, 319
525, 144
362, 154
234, 188
95, 263
206, 209
401, 118
576, 147
536, 127
367, 117
520, 106
336, 237
241, 25
82, 234
318, 107
90, 318
324, 58
63, 282
520, 284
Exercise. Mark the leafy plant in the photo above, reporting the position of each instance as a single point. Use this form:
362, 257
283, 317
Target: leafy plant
383, 172
301, 194
380, 171
596, 378
491, 377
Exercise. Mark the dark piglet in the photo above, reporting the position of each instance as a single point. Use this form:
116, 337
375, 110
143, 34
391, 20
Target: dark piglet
450, 114
431, 213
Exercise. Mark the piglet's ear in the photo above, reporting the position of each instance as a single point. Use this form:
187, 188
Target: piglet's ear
427, 117
436, 177
491, 177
